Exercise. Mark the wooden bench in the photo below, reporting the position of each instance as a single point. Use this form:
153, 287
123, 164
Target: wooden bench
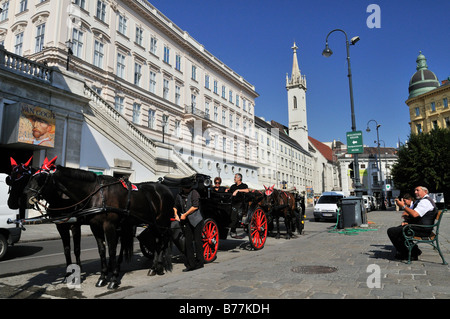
411, 239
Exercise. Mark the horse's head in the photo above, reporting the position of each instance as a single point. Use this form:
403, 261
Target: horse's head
268, 195
40, 185
17, 180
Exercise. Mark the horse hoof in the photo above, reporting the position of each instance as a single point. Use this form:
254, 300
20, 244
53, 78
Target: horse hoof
101, 283
151, 272
113, 285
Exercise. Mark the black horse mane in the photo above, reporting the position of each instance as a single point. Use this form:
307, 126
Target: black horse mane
77, 174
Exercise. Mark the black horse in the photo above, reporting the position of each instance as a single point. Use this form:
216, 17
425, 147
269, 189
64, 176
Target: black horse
112, 208
17, 180
280, 204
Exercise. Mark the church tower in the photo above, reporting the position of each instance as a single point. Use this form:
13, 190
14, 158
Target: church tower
296, 92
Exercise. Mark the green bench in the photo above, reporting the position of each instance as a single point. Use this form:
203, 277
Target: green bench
411, 239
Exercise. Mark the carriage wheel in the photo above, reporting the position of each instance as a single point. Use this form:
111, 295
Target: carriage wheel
258, 229
210, 239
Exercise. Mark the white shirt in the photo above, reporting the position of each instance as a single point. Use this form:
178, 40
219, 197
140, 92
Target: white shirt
424, 206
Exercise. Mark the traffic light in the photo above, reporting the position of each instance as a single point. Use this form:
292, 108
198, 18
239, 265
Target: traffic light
352, 172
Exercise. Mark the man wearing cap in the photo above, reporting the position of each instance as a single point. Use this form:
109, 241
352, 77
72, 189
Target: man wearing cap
422, 212
187, 211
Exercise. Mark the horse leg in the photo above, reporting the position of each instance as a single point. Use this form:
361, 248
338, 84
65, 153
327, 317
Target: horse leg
112, 239
64, 233
99, 237
277, 219
287, 223
76, 236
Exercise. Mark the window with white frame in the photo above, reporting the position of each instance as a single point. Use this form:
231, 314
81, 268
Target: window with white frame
207, 81
18, 46
40, 33
136, 113
165, 89
215, 86
77, 43
178, 62
137, 73
139, 35
193, 101
152, 88
23, 4
207, 109
119, 103
120, 65
98, 54
216, 113
101, 10
194, 73
80, 3
153, 45
152, 119
166, 54
177, 95
123, 21
5, 9
224, 91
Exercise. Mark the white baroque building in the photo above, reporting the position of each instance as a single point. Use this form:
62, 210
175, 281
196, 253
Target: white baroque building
148, 73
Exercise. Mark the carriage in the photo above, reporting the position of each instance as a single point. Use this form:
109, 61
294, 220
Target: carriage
216, 209
76, 197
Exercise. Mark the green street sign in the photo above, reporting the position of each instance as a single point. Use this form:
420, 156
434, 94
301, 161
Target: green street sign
355, 142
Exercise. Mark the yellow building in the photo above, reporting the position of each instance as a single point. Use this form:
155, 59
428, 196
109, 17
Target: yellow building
428, 99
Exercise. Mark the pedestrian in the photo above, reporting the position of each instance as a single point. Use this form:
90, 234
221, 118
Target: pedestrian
422, 212
238, 198
187, 210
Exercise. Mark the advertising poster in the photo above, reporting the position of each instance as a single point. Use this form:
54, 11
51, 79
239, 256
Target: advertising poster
36, 126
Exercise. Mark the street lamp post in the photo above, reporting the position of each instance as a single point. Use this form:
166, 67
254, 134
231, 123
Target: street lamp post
383, 206
327, 53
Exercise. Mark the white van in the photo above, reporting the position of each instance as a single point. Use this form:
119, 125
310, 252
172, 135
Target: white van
326, 207
9, 233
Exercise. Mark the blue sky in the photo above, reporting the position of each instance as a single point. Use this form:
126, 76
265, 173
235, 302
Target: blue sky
254, 38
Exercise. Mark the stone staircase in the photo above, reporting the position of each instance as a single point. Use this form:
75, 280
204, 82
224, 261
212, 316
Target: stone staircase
158, 157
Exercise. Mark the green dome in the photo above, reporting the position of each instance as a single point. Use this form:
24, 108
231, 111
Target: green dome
423, 80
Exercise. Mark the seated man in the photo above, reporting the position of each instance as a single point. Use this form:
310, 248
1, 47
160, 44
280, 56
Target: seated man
422, 212
236, 189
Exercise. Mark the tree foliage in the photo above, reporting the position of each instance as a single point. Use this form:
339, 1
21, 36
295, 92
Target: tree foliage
424, 161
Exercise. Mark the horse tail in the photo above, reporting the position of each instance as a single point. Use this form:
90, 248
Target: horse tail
127, 241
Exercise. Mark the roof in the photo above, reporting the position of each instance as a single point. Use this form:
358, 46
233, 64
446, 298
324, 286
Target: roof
322, 148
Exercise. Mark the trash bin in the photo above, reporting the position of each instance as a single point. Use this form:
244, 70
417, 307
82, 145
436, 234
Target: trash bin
350, 212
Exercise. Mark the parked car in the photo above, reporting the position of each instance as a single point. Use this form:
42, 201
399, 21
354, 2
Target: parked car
327, 206
9, 233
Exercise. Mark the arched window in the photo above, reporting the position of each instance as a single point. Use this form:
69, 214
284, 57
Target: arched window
295, 102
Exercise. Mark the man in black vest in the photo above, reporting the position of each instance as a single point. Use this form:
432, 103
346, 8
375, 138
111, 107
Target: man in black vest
187, 211
422, 212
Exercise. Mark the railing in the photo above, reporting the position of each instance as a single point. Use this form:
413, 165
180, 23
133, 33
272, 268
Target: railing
190, 109
116, 116
25, 66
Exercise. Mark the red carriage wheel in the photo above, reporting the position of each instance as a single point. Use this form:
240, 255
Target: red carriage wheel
210, 239
258, 229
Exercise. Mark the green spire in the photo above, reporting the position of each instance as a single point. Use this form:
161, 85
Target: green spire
421, 62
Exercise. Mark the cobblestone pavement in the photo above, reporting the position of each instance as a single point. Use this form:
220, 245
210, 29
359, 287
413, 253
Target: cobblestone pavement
321, 263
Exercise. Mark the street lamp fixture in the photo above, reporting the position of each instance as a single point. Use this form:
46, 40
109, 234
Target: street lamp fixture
327, 53
69, 45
